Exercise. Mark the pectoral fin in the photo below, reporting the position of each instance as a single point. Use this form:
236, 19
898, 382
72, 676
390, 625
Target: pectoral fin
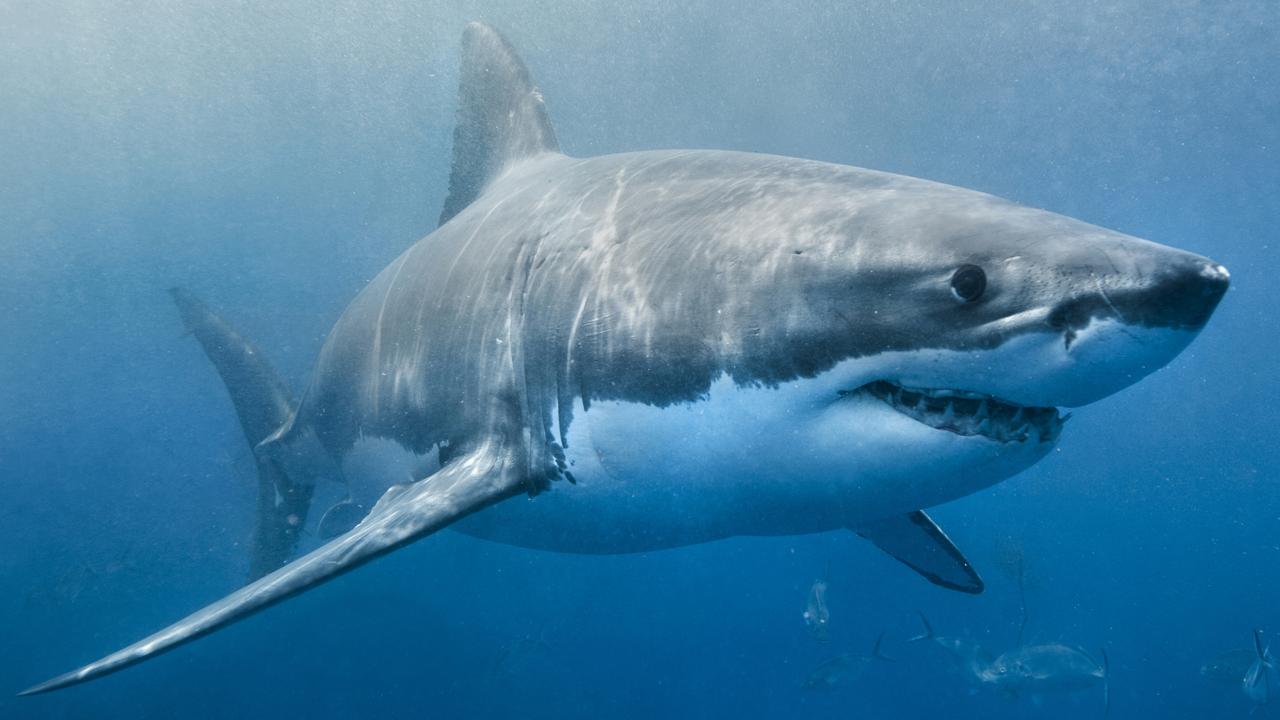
405, 513
914, 540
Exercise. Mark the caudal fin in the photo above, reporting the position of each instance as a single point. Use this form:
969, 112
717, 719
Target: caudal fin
263, 403
261, 397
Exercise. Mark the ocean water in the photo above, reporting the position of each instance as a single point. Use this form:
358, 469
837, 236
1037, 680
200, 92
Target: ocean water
273, 158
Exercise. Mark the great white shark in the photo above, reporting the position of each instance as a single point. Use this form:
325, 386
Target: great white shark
686, 345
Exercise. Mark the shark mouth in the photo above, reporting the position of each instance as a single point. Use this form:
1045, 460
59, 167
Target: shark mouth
969, 413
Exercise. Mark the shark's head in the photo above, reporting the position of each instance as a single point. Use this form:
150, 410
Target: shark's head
960, 324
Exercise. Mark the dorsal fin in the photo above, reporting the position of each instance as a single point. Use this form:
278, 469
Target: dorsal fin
501, 117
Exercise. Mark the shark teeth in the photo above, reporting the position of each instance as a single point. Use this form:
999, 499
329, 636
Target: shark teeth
969, 413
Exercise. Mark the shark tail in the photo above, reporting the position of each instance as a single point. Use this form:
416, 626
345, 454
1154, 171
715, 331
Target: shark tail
263, 403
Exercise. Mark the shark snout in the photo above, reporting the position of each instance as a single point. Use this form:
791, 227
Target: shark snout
1187, 295
1178, 294
1181, 295
1128, 316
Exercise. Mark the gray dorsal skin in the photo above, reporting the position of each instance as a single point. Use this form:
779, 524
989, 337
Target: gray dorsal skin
917, 542
263, 402
501, 117
703, 344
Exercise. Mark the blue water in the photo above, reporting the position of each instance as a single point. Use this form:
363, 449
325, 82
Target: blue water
273, 159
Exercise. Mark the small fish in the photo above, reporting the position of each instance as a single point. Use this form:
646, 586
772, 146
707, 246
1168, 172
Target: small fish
517, 655
816, 614
1228, 668
1257, 679
969, 657
833, 672
1052, 667
1034, 669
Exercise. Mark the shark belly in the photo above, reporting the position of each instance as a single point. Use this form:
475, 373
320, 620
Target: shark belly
648, 478
740, 461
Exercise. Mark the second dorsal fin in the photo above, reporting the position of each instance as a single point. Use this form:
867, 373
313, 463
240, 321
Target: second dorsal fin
501, 117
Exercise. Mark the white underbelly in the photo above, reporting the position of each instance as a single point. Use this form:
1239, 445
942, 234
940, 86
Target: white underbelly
648, 478
741, 461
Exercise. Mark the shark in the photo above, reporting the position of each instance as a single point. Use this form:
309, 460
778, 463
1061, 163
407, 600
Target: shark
654, 349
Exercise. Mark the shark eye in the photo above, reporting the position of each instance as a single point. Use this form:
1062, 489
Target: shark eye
968, 283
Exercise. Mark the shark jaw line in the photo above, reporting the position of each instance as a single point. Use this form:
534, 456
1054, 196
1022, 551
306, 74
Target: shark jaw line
967, 413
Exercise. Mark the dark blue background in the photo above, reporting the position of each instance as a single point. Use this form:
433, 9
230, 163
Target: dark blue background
273, 159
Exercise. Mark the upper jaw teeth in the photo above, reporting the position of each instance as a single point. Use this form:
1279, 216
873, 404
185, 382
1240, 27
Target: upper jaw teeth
947, 393
970, 413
